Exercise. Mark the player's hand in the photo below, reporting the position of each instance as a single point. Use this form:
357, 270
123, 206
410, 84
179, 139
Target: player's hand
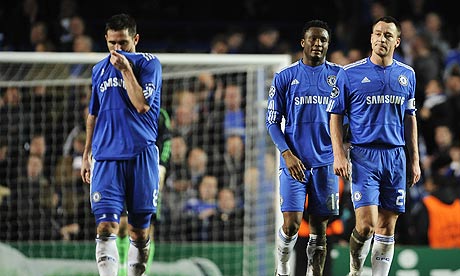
342, 167
294, 165
119, 61
85, 170
413, 174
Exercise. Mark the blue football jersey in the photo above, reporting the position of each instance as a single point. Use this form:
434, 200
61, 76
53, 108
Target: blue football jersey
121, 132
375, 99
300, 93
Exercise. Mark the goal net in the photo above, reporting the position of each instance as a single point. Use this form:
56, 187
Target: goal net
219, 199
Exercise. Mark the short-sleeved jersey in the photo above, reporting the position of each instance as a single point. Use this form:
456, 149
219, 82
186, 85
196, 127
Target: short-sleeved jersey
121, 133
376, 99
300, 94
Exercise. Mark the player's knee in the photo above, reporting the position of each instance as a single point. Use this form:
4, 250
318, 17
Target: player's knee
291, 229
140, 221
365, 231
106, 228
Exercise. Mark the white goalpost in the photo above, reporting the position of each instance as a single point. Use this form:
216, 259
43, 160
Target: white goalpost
43, 98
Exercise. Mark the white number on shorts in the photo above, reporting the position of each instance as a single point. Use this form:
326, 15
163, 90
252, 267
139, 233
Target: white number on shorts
155, 197
400, 199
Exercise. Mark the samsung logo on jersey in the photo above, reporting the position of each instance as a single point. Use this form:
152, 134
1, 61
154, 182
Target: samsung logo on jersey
311, 100
385, 99
112, 82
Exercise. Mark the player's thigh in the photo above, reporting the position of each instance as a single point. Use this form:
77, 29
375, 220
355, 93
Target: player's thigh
323, 192
393, 188
365, 183
292, 193
142, 194
107, 187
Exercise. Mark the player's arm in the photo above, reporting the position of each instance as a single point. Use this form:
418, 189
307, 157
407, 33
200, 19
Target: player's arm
341, 164
134, 89
273, 123
85, 170
413, 159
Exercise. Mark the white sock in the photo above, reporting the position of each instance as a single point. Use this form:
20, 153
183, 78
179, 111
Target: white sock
382, 254
107, 255
138, 254
285, 247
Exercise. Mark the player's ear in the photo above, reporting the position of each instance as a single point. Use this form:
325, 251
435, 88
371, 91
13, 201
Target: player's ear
136, 39
398, 41
302, 42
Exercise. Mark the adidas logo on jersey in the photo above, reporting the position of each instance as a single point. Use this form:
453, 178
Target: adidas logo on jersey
295, 81
365, 80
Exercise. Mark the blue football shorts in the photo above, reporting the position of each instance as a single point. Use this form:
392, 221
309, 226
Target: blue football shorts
379, 177
135, 181
321, 185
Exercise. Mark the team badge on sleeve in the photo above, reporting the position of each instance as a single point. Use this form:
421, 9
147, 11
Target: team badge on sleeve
149, 89
335, 92
271, 92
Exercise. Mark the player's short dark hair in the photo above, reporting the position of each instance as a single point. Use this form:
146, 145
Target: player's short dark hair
316, 23
121, 22
389, 19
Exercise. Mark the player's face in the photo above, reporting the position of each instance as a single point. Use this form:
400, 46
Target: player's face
315, 45
384, 39
121, 40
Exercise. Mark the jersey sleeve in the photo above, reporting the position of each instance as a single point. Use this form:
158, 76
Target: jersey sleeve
337, 99
410, 107
275, 112
93, 106
150, 77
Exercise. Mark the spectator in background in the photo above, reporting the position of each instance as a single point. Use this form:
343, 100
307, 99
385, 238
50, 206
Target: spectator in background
39, 37
197, 165
425, 65
454, 167
234, 115
434, 28
179, 151
68, 147
267, 42
408, 37
354, 54
32, 205
178, 190
436, 219
219, 44
338, 57
227, 223
452, 85
232, 175
81, 44
435, 111
185, 117
201, 207
236, 39
76, 27
443, 139
13, 127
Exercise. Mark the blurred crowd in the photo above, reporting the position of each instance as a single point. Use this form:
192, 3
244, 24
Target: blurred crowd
41, 146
